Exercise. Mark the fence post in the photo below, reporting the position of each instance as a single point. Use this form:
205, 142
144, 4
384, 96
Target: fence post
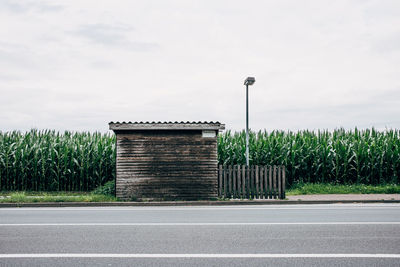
261, 182
265, 182
252, 181
219, 180
283, 182
225, 184
234, 181
238, 182
230, 181
247, 181
274, 181
279, 182
243, 181
256, 181
270, 182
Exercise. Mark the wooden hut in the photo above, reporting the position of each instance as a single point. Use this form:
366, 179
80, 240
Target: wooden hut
166, 160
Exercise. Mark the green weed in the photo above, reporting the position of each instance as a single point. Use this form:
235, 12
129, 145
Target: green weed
327, 188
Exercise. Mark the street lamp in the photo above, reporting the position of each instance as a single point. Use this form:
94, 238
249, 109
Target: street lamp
247, 82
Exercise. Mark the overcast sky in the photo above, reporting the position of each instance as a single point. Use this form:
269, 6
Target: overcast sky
77, 65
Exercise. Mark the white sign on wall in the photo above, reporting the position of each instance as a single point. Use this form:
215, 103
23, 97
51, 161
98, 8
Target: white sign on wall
209, 133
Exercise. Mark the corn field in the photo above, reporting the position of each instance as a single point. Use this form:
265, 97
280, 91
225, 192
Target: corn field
344, 157
50, 161
53, 161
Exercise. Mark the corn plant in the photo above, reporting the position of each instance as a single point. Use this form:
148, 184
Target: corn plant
346, 157
51, 161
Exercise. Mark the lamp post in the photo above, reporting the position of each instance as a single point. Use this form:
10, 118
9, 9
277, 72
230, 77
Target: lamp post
247, 82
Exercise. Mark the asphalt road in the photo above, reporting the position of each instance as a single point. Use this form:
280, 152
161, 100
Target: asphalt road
298, 235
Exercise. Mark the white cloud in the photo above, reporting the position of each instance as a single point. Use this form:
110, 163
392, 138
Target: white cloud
113, 35
318, 64
26, 6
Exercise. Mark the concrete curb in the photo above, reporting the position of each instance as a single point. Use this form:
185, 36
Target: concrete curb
188, 203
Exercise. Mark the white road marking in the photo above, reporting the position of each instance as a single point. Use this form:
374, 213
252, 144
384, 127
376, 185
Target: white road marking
96, 255
199, 224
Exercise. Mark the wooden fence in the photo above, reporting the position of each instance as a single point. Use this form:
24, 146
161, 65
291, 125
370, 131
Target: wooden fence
262, 182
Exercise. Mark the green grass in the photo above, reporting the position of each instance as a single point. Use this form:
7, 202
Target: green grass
326, 188
103, 193
108, 189
298, 189
42, 193
32, 197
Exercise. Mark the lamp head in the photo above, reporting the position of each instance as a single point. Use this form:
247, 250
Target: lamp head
249, 81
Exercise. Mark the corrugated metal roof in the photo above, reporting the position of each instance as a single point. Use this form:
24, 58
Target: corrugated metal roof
166, 125
167, 122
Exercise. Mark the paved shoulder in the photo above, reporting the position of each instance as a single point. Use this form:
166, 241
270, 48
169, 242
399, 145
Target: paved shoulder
345, 197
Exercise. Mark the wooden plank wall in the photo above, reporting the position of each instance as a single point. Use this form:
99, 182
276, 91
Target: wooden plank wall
261, 182
165, 165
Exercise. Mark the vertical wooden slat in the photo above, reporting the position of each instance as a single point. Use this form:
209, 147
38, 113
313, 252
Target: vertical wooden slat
225, 183
274, 181
257, 179
220, 180
253, 183
234, 181
240, 181
279, 182
239, 195
250, 181
261, 175
270, 182
247, 181
230, 181
243, 181
245, 184
283, 182
265, 182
